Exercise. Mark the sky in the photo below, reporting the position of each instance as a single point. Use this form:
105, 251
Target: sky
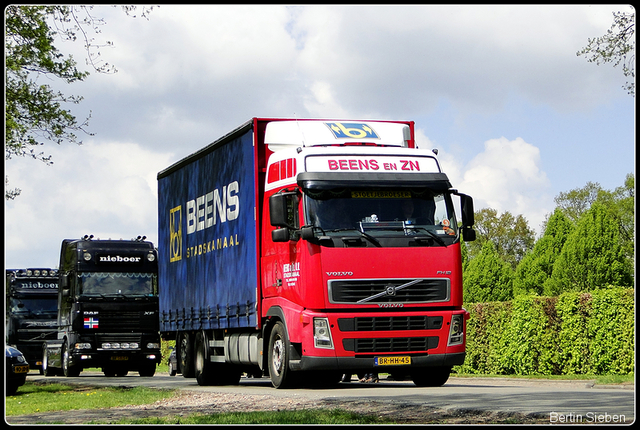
516, 115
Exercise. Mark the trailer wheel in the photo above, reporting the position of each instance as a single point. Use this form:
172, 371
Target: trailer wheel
203, 366
431, 376
185, 354
278, 358
67, 369
208, 373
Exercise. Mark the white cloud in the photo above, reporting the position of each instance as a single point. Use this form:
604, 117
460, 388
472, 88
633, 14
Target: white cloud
108, 190
506, 176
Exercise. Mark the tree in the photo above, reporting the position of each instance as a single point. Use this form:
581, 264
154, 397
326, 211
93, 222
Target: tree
487, 277
620, 204
537, 266
576, 202
617, 46
34, 112
510, 234
592, 257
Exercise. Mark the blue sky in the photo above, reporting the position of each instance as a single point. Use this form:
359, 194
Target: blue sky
516, 115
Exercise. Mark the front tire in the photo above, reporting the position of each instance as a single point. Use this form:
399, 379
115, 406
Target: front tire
67, 369
46, 370
278, 358
431, 376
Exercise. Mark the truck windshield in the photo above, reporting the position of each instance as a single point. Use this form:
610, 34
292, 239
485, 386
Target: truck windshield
35, 306
382, 213
118, 283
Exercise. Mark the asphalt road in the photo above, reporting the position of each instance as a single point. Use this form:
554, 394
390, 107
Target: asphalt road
560, 401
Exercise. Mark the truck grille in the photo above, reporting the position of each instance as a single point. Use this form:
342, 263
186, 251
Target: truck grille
123, 321
417, 322
389, 291
397, 344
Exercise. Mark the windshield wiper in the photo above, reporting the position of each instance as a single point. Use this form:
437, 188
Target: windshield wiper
431, 234
362, 233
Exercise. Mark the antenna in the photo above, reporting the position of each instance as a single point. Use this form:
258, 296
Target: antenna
299, 129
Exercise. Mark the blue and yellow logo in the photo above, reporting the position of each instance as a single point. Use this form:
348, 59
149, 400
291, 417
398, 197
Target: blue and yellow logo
352, 130
175, 234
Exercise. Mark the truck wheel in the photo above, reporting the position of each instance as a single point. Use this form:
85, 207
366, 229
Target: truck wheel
67, 369
431, 376
203, 366
46, 371
147, 369
278, 358
172, 370
185, 355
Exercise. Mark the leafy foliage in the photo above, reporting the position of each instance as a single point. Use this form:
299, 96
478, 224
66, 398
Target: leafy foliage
617, 46
35, 112
537, 266
575, 333
510, 235
592, 257
488, 277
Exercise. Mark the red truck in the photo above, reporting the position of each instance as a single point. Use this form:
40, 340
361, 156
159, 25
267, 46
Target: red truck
304, 249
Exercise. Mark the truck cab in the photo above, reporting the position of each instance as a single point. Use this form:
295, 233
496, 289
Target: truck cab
107, 308
32, 309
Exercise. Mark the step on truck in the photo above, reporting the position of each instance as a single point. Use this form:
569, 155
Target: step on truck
107, 308
32, 309
305, 249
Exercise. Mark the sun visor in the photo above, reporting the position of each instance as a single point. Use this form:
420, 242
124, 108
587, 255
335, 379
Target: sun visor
325, 180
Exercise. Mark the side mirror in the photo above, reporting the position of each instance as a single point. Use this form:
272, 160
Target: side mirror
64, 282
466, 203
469, 234
466, 206
306, 233
278, 210
280, 235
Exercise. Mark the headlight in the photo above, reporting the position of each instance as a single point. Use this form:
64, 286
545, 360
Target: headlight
152, 345
322, 333
456, 331
83, 345
86, 256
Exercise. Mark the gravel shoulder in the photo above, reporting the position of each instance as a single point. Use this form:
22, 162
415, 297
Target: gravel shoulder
187, 403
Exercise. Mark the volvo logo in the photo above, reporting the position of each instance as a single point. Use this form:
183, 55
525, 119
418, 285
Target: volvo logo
390, 290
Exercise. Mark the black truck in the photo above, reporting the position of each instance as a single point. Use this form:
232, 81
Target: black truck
32, 309
107, 308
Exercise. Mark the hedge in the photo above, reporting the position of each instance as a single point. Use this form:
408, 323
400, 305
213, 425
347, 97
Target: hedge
574, 333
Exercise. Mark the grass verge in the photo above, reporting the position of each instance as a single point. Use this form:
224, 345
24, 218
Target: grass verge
34, 397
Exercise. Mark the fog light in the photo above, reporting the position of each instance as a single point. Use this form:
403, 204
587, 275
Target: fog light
151, 356
322, 333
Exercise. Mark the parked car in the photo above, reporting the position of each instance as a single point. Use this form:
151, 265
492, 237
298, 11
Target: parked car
173, 363
17, 369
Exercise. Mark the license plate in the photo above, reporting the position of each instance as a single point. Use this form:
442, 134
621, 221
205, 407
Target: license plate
392, 361
119, 358
20, 369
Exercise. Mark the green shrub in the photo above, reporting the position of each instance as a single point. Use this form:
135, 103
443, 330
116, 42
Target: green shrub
575, 333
